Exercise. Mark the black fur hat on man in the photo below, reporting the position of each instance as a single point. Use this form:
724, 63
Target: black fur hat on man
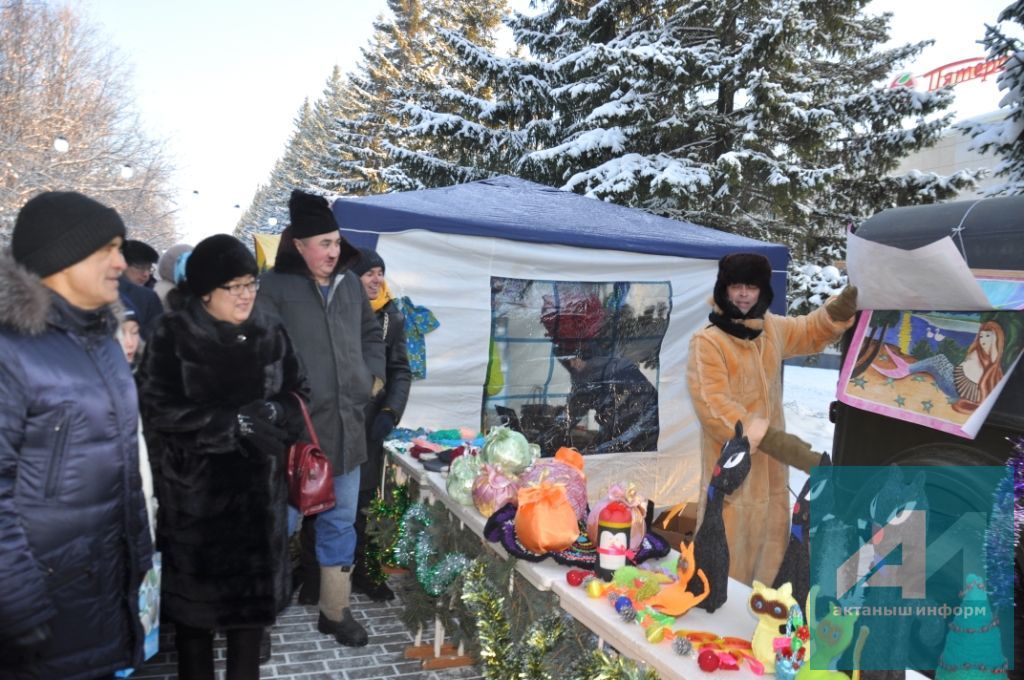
58, 229
750, 268
368, 259
310, 215
215, 261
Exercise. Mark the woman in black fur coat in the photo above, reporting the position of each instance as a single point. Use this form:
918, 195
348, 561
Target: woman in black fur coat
218, 417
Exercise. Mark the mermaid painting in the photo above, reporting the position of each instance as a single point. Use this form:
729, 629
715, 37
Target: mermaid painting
968, 382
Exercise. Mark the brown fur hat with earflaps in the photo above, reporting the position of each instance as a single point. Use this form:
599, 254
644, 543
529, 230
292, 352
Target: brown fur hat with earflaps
750, 268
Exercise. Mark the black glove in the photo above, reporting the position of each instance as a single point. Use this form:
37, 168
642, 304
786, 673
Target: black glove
268, 411
383, 424
262, 436
25, 649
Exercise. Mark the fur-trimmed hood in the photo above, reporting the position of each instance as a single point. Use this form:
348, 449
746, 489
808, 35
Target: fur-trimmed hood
27, 306
289, 261
26, 302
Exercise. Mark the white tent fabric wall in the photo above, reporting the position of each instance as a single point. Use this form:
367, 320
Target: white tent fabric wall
451, 275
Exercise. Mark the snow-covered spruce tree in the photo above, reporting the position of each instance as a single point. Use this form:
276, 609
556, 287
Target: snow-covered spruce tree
392, 58
1004, 137
298, 168
267, 214
761, 117
444, 124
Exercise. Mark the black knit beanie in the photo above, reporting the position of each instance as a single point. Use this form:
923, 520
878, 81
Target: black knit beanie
749, 268
310, 215
215, 261
368, 259
139, 252
58, 229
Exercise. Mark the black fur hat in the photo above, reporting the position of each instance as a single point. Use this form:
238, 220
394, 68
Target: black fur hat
368, 259
310, 215
215, 261
749, 268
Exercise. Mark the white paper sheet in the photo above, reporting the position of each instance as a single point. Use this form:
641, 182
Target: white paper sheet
932, 277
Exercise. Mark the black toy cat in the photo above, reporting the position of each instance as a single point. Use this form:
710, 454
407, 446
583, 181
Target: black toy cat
796, 563
711, 549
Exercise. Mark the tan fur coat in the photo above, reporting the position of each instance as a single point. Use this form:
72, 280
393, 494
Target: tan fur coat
733, 379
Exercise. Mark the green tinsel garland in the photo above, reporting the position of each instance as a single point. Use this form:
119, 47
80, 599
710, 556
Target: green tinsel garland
523, 636
434, 574
382, 517
421, 608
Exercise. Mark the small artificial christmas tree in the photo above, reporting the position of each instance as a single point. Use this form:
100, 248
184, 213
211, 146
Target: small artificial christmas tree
973, 649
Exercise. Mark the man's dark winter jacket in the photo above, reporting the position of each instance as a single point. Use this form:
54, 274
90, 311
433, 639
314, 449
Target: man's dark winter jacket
74, 538
339, 342
395, 394
146, 303
222, 522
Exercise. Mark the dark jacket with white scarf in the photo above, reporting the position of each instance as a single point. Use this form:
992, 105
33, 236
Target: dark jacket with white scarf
339, 342
74, 538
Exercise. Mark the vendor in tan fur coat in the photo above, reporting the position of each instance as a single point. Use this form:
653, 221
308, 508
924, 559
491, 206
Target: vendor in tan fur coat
735, 373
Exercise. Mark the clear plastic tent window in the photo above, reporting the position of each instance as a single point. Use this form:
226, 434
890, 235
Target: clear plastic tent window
577, 363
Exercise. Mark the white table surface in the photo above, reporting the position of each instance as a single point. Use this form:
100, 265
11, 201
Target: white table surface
733, 619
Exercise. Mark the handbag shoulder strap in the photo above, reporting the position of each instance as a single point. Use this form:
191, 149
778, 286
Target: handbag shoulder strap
309, 422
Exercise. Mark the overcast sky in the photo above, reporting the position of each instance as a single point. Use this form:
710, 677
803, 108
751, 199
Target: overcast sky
221, 80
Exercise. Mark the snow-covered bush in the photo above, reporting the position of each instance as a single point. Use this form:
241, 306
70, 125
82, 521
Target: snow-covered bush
811, 283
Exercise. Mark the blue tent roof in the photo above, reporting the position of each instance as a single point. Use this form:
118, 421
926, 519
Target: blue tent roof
512, 208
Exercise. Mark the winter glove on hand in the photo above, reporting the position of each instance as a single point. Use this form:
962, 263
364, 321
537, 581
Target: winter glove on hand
25, 649
843, 306
259, 435
267, 411
789, 449
383, 424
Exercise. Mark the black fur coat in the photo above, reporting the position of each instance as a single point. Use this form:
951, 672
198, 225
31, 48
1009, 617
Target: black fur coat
222, 522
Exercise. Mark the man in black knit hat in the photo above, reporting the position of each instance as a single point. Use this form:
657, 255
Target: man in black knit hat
141, 259
332, 326
735, 374
74, 538
136, 284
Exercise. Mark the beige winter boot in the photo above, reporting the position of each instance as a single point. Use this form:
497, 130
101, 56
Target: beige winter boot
335, 616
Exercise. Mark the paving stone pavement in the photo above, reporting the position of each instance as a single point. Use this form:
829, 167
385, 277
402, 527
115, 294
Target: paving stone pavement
300, 651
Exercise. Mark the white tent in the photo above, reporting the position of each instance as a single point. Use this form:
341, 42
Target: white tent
493, 260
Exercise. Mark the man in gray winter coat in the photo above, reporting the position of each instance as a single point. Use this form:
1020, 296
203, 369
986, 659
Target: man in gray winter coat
334, 331
74, 538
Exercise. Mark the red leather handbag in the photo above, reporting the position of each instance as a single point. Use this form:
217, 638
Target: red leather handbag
310, 478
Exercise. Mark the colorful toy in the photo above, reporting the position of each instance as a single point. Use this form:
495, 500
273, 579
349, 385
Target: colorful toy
771, 606
710, 546
675, 599
791, 649
637, 503
829, 638
613, 525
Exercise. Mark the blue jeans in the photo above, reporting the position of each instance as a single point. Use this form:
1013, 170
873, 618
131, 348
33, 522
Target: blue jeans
335, 530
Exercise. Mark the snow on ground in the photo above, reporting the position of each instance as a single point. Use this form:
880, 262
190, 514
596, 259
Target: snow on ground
806, 395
